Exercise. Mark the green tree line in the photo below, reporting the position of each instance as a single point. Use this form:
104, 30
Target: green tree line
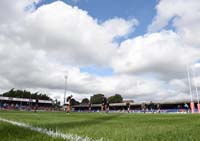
97, 99
26, 94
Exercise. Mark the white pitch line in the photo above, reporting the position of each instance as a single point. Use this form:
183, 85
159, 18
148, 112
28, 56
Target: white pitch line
56, 134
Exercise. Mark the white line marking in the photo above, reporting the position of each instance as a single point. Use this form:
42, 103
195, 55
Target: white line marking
56, 134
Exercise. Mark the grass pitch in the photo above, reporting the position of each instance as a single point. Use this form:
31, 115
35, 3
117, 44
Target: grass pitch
112, 127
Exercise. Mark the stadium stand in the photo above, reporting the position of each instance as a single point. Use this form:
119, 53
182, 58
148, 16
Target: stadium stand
164, 106
12, 103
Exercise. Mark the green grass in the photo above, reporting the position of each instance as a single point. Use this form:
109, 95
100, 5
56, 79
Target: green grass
14, 133
112, 127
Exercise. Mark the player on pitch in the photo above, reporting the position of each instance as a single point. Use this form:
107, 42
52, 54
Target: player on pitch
105, 104
68, 103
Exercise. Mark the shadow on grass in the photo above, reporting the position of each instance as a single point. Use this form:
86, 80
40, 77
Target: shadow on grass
82, 123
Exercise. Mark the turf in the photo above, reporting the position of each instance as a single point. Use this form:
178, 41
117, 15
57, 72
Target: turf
112, 127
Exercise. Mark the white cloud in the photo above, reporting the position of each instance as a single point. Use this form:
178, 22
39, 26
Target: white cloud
180, 85
25, 68
162, 53
11, 11
184, 15
39, 46
119, 26
75, 37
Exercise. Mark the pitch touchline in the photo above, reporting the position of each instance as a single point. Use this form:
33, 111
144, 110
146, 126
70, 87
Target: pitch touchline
56, 134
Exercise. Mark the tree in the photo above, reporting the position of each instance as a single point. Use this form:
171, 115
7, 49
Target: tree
56, 104
117, 98
74, 102
26, 94
96, 99
85, 101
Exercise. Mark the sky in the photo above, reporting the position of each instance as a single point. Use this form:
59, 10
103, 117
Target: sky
140, 49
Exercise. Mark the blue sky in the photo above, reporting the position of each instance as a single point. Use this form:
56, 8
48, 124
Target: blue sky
94, 70
142, 10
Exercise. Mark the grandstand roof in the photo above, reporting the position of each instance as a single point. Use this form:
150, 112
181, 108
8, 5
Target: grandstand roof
138, 103
24, 100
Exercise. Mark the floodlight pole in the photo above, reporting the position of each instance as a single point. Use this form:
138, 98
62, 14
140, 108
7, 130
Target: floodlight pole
21, 101
188, 73
30, 102
0, 104
189, 82
197, 91
65, 89
192, 107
